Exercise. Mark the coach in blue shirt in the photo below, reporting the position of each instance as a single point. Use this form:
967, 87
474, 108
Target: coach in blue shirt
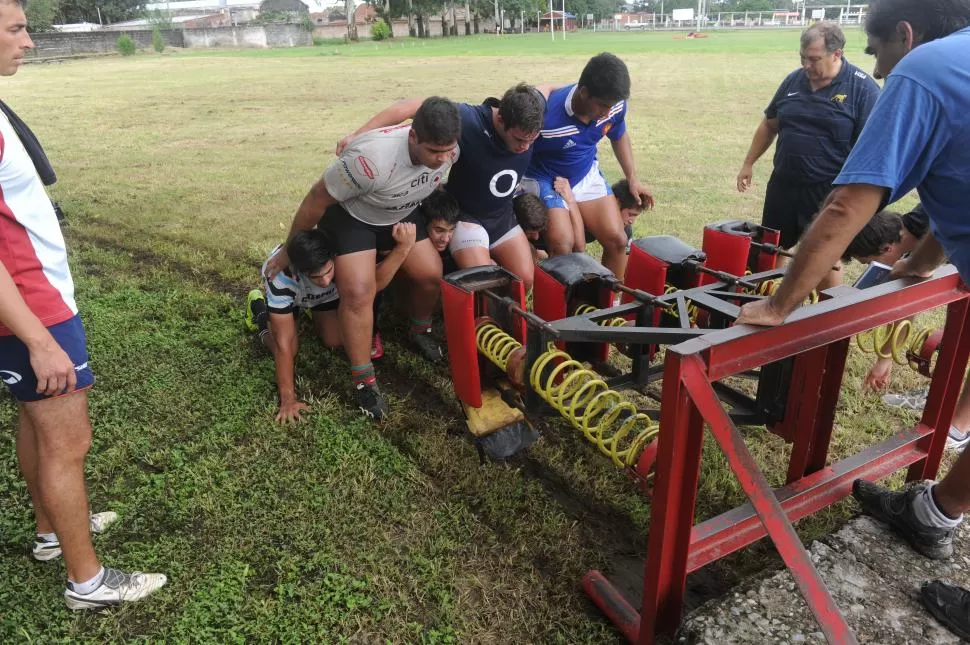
917, 137
817, 115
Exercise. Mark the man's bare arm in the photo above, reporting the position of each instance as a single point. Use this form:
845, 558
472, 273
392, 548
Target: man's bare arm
52, 366
845, 212
392, 115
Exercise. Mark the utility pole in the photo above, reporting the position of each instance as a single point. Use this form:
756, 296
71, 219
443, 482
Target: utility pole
497, 27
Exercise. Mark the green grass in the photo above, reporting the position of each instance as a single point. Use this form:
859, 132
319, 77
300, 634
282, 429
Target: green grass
178, 174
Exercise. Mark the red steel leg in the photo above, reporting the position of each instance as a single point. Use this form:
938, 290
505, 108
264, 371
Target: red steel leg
803, 406
612, 603
945, 388
680, 440
827, 400
763, 500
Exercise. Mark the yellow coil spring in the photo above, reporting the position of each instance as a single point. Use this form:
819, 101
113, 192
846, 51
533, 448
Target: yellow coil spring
900, 337
769, 287
691, 307
615, 426
609, 322
495, 344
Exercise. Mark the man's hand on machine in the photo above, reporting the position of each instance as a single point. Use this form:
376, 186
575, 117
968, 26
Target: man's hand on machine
761, 312
906, 269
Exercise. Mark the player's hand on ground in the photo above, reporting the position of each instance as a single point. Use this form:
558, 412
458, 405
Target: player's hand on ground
561, 184
53, 368
343, 143
879, 375
906, 269
761, 313
276, 264
290, 412
404, 234
641, 193
744, 177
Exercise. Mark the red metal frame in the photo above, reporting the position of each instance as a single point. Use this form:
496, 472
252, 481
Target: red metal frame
819, 335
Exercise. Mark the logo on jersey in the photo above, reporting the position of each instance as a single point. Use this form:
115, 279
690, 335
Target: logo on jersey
504, 191
839, 98
10, 378
861, 75
607, 128
365, 167
424, 178
349, 175
569, 144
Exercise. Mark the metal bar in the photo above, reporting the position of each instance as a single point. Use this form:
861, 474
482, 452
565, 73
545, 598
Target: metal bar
803, 406
772, 516
612, 603
944, 388
707, 301
717, 537
829, 398
743, 347
512, 306
641, 296
678, 466
586, 331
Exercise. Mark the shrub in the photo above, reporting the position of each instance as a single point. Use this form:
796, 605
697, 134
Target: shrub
380, 30
158, 43
126, 45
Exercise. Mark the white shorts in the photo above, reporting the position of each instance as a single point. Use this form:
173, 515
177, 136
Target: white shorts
592, 186
470, 235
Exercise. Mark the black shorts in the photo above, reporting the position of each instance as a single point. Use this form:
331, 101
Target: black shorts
791, 206
350, 235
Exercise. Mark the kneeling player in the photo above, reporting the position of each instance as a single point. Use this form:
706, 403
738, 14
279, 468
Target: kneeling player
308, 283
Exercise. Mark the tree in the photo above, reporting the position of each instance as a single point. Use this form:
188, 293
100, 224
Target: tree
351, 20
87, 10
41, 15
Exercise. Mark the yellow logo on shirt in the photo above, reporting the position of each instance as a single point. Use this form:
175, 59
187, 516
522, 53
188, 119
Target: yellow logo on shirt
839, 98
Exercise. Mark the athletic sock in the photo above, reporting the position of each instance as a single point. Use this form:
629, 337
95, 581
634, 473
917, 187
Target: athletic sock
86, 587
363, 374
47, 537
928, 511
419, 327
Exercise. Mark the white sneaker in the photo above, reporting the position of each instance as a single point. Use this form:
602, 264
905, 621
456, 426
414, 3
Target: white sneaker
116, 587
97, 522
956, 440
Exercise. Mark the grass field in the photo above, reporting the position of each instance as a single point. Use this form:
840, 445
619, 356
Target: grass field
178, 173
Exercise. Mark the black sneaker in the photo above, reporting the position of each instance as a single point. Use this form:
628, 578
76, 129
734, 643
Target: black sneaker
896, 510
371, 401
949, 604
428, 347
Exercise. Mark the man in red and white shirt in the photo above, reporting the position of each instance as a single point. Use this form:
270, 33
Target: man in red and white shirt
44, 363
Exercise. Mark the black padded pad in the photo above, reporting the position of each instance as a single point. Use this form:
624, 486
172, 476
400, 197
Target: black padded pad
483, 277
669, 249
574, 268
736, 227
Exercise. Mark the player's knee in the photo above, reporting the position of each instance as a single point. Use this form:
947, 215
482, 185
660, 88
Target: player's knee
614, 242
358, 295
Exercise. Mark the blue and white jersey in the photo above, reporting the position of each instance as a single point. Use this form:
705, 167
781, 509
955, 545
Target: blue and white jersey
566, 146
290, 290
484, 177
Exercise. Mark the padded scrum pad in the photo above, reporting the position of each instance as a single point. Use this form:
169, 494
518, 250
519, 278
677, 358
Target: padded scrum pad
736, 227
574, 268
467, 278
669, 249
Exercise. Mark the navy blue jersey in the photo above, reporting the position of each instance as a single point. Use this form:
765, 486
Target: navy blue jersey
484, 177
566, 146
818, 129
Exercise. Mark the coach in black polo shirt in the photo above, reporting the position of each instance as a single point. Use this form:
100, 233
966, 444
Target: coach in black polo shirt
817, 114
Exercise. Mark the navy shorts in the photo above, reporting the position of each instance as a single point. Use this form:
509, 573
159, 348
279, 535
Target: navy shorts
15, 369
